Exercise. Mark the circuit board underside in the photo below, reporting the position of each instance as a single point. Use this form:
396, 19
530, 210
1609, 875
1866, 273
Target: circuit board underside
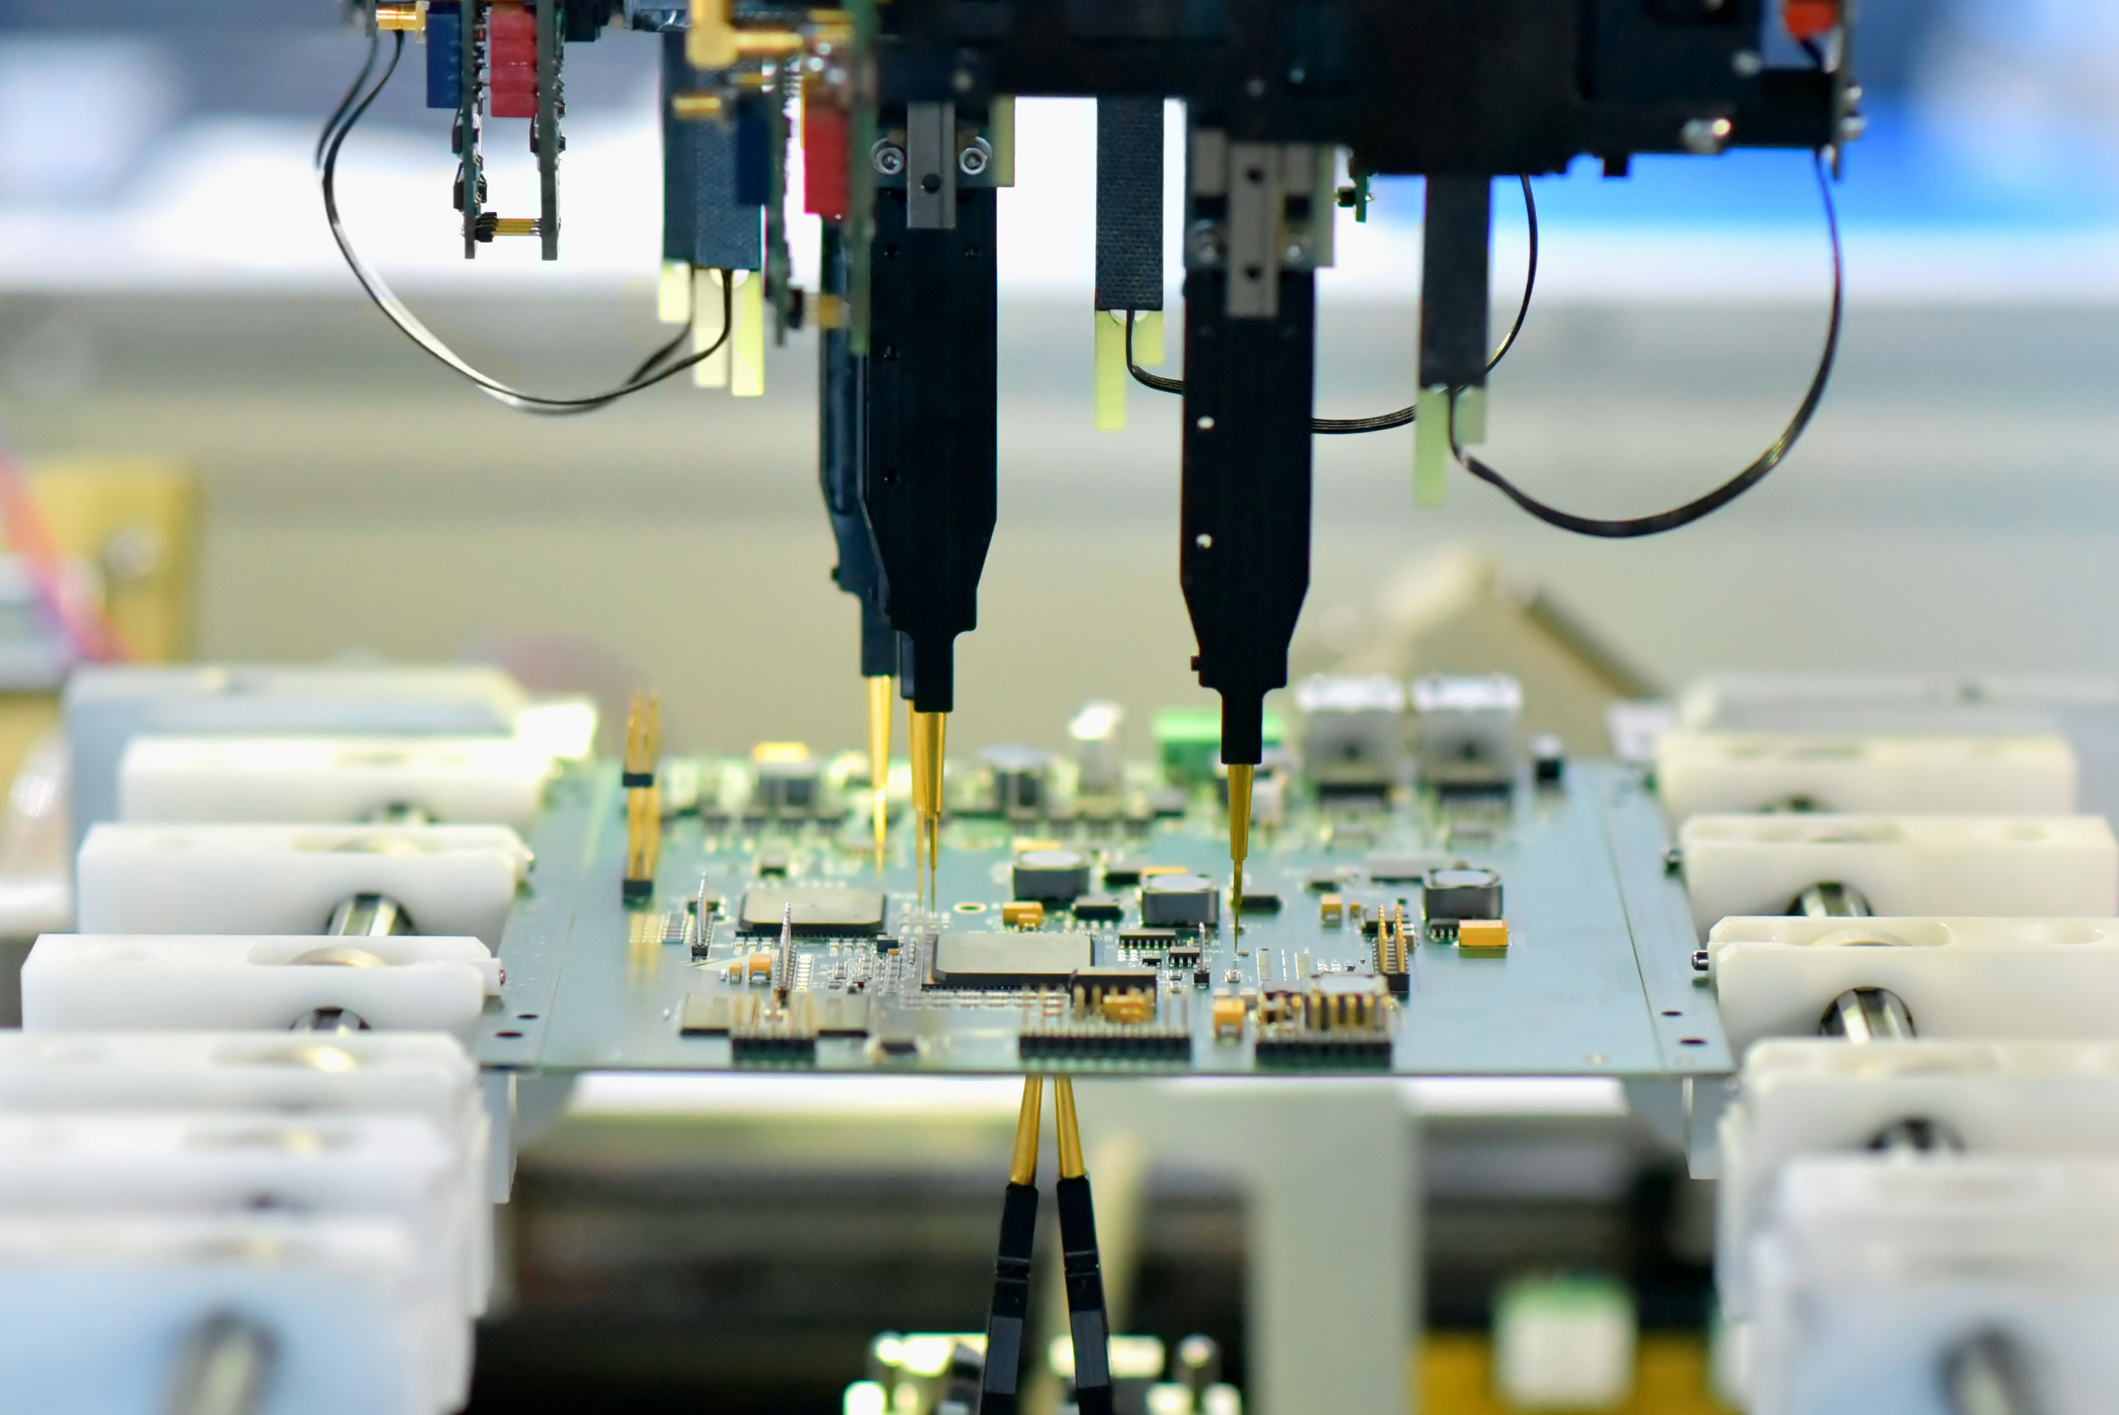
773, 940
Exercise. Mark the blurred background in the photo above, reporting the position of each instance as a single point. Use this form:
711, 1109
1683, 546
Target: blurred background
172, 309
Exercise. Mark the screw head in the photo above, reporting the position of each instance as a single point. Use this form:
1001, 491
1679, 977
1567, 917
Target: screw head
1705, 136
975, 159
888, 157
1699, 960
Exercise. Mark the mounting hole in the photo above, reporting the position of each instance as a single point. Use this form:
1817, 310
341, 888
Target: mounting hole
510, 1036
1692, 1041
967, 907
532, 1017
1672, 1012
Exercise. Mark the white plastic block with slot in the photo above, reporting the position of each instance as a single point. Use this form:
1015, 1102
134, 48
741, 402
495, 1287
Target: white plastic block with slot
1701, 773
139, 1162
2033, 979
108, 705
418, 1074
219, 983
2049, 866
96, 1312
286, 780
1873, 1272
286, 879
1807, 1097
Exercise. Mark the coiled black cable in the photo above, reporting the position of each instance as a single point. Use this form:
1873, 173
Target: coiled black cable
653, 370
1728, 491
1400, 417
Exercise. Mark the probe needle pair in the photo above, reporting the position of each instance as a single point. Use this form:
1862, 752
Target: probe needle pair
1005, 1325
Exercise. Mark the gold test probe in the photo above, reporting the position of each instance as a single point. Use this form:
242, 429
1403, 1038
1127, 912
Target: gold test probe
643, 798
879, 714
1239, 833
929, 737
1006, 1321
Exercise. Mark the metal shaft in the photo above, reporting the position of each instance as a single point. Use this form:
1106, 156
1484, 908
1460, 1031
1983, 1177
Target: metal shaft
1867, 1015
225, 1368
1986, 1374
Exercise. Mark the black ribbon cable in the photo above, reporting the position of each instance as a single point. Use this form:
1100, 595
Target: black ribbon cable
1729, 490
1005, 1323
653, 370
1086, 1321
1325, 427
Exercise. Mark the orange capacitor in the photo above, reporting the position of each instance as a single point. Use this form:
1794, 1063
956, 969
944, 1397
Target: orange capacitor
1810, 19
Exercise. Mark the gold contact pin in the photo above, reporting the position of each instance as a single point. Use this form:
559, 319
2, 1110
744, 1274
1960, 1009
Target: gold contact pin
1239, 832
643, 796
929, 739
1022, 1166
1069, 1128
879, 714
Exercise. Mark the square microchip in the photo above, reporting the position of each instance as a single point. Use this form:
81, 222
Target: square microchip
817, 910
1009, 960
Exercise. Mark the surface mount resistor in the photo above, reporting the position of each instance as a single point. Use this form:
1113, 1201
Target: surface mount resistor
1331, 910
1229, 1012
1023, 914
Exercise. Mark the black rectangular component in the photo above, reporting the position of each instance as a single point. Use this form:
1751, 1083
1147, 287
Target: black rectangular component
813, 910
1086, 1045
1258, 903
1129, 200
785, 1050
1120, 873
1324, 1050
1099, 908
1455, 255
1148, 938
1009, 960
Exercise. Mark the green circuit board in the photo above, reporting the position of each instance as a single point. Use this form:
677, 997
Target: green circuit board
1332, 968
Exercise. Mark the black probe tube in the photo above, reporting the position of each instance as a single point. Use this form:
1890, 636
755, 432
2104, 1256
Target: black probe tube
1086, 1321
1002, 1376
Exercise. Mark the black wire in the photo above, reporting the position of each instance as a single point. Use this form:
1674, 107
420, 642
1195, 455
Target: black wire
1402, 416
1729, 490
645, 376
360, 80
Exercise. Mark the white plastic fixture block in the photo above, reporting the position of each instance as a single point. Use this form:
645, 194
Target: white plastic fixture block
1702, 773
219, 982
2050, 866
288, 780
1564, 1344
420, 1074
1808, 1097
204, 1164
107, 705
96, 1312
1873, 1271
286, 879
1978, 978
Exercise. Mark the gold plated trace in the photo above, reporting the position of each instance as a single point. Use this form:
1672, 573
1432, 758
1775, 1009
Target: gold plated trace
929, 738
1239, 832
1022, 1167
1070, 1134
643, 797
879, 713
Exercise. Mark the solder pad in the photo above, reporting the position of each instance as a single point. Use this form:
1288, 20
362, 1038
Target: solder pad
1009, 960
812, 910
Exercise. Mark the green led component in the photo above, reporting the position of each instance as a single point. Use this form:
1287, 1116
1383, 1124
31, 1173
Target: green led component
1188, 741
